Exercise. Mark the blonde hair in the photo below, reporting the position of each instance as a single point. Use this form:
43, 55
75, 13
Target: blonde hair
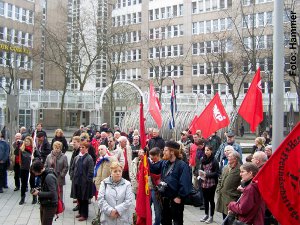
115, 165
76, 138
23, 145
58, 131
57, 144
85, 136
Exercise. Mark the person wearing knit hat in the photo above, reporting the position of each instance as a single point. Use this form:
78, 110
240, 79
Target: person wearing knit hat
175, 185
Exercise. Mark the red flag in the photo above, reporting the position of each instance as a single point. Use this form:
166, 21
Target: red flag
143, 209
154, 106
251, 108
191, 127
142, 126
213, 118
279, 180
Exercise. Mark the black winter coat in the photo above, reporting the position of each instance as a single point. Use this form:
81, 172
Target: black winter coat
156, 142
82, 179
64, 142
48, 194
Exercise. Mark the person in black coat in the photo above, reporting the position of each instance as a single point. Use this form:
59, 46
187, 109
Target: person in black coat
81, 173
156, 141
48, 195
42, 146
177, 182
59, 136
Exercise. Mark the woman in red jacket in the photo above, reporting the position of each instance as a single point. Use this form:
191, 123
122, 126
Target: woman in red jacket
250, 209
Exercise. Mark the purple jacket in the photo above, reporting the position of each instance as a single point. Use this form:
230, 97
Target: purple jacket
251, 207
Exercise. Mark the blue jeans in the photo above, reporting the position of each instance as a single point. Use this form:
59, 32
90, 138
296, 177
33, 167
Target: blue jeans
157, 208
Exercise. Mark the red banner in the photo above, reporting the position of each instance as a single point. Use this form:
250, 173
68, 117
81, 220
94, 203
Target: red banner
251, 108
142, 126
279, 180
213, 118
143, 209
154, 106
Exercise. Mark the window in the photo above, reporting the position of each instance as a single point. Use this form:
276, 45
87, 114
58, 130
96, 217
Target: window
208, 89
1, 8
23, 38
30, 17
2, 57
17, 13
139, 17
208, 26
201, 5
208, 47
246, 87
156, 14
260, 42
201, 27
222, 24
269, 18
23, 15
201, 69
169, 12
216, 46
151, 14
195, 69
194, 7
181, 10
207, 5
261, 19
163, 13
214, 4
175, 10
222, 4
9, 10
195, 49
215, 26
230, 67
261, 64
215, 67
181, 29
223, 89
202, 47
194, 89
287, 86
9, 33
1, 33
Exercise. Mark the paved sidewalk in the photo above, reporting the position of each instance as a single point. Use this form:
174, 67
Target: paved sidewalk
11, 213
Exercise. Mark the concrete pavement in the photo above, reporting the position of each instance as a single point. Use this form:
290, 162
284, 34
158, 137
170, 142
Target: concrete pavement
11, 213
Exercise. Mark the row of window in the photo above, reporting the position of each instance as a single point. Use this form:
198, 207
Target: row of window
127, 56
166, 32
250, 2
23, 61
166, 71
166, 12
125, 3
24, 84
16, 36
201, 6
128, 37
199, 69
166, 51
261, 42
128, 74
223, 89
168, 88
132, 18
265, 64
257, 20
16, 13
216, 46
211, 26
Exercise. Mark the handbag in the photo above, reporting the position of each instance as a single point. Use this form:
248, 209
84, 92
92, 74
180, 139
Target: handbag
231, 219
194, 198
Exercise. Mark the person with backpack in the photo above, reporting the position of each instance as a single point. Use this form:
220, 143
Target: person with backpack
48, 194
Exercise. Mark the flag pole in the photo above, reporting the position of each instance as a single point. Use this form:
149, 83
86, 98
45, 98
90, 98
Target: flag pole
278, 81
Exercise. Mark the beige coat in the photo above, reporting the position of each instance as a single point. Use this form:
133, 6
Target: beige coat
103, 171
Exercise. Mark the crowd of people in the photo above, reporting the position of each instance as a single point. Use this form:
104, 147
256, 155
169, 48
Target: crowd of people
105, 165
